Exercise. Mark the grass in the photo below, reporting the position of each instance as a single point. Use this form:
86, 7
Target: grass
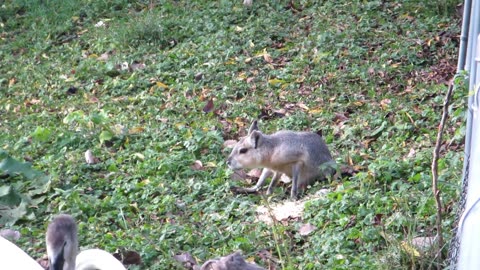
370, 75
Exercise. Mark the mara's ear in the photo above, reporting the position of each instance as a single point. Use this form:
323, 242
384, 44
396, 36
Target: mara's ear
253, 127
256, 138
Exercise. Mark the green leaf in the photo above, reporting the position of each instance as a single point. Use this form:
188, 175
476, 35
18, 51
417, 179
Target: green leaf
106, 136
41, 134
9, 216
12, 166
76, 116
8, 197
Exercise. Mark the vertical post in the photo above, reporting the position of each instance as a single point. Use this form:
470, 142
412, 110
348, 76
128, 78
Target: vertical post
469, 227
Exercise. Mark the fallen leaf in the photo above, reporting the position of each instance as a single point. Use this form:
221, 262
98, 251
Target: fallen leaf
315, 111
209, 106
254, 173
285, 179
197, 165
385, 103
411, 153
340, 117
229, 143
238, 175
43, 261
100, 24
409, 249
275, 81
303, 106
371, 71
210, 165
31, 102
136, 130
377, 220
267, 58
161, 85
90, 158
11, 82
10, 235
423, 243
139, 156
104, 56
306, 229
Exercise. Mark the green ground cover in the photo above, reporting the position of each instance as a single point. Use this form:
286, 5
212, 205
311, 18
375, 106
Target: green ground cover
150, 87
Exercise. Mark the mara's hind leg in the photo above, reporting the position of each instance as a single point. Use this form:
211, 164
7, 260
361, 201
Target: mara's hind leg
295, 179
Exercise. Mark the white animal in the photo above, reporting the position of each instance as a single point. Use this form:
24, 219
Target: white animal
13, 257
302, 156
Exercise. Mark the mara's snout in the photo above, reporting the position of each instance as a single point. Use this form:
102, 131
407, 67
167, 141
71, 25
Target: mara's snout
233, 164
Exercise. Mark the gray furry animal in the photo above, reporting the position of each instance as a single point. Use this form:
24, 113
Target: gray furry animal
233, 261
302, 156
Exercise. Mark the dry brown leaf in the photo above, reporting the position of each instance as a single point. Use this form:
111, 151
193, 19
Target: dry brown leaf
229, 143
238, 175
197, 165
303, 106
285, 179
377, 220
412, 153
423, 243
306, 229
371, 71
136, 130
209, 106
385, 103
43, 261
267, 58
104, 56
89, 157
10, 235
340, 117
11, 82
254, 173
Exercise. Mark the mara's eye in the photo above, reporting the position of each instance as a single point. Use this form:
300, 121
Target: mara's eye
243, 150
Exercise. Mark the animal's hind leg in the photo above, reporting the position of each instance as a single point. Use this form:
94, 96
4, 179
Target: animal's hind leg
295, 176
275, 177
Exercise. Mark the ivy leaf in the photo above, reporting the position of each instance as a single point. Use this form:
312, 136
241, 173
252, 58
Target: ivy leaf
41, 134
105, 136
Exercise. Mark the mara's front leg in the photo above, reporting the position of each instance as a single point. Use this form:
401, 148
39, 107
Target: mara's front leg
261, 181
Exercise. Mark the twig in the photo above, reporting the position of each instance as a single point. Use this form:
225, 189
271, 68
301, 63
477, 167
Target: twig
436, 191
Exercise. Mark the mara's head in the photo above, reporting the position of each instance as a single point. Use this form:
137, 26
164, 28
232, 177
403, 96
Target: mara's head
62, 243
247, 153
